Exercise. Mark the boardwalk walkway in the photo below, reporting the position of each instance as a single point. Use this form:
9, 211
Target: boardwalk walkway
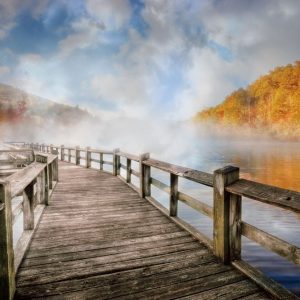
98, 239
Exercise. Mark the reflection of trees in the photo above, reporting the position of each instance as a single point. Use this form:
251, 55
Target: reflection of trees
273, 163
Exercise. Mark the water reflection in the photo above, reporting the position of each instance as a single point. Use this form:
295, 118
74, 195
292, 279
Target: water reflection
266, 162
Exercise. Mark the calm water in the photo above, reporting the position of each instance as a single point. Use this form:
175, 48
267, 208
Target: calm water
272, 163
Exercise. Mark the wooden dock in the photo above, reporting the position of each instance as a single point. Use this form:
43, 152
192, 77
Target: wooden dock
94, 235
98, 240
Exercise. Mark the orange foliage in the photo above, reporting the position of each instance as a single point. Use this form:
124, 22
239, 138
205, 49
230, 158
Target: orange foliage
271, 103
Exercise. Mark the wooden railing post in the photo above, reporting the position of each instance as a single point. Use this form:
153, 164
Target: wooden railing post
41, 188
51, 149
116, 162
69, 155
101, 161
28, 207
147, 180
88, 155
144, 173
50, 170
128, 170
173, 195
226, 215
54, 167
7, 269
62, 153
77, 155
45, 179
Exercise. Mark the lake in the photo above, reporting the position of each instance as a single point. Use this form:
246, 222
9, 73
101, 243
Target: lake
274, 163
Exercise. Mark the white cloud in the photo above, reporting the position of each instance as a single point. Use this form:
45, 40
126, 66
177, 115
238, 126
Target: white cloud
4, 70
258, 35
124, 90
85, 33
183, 29
10, 9
115, 14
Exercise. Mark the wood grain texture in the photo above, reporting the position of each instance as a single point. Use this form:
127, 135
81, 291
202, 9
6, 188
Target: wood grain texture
266, 193
24, 177
271, 242
7, 272
194, 175
99, 239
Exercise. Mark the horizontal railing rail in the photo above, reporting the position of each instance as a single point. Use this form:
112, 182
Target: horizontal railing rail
34, 184
228, 189
15, 157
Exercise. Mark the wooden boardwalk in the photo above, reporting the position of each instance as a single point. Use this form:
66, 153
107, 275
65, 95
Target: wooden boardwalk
99, 240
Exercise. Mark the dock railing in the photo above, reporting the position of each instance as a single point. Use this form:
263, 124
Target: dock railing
14, 158
30, 188
228, 192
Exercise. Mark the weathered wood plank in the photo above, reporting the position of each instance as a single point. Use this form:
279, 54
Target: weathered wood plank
26, 237
129, 156
7, 272
187, 227
194, 175
24, 177
160, 185
270, 242
98, 239
261, 280
222, 178
266, 193
138, 276
173, 205
196, 204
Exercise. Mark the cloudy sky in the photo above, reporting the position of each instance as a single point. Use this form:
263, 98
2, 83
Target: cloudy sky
166, 58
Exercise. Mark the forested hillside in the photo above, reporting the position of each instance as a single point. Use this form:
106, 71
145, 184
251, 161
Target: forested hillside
270, 105
16, 106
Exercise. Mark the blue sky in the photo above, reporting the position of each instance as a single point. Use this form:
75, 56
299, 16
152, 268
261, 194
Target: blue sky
144, 57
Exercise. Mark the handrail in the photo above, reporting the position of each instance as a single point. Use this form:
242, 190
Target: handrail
187, 173
21, 150
276, 196
35, 183
228, 190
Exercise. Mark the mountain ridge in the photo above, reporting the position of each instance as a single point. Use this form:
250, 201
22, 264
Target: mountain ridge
18, 106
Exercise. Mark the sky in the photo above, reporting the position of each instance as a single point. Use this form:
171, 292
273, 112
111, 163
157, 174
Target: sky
164, 59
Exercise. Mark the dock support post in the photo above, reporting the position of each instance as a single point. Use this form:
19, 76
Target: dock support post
144, 176
87, 157
7, 269
77, 155
45, 185
226, 215
41, 189
28, 209
55, 166
128, 170
116, 162
62, 153
50, 170
69, 155
101, 161
173, 195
